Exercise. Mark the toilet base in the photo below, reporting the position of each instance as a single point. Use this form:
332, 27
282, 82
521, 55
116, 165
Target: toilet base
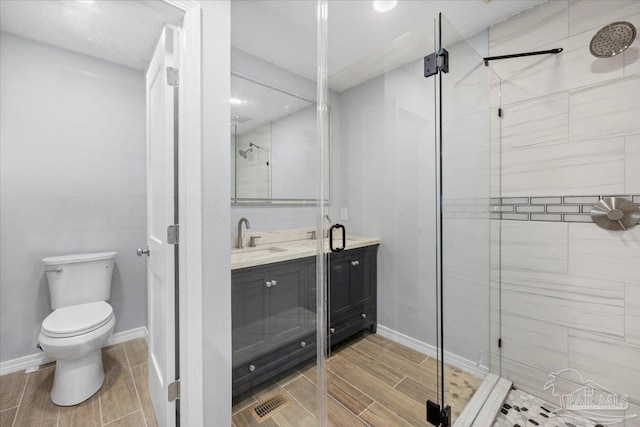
76, 380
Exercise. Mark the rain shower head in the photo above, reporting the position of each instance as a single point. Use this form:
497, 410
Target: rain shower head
245, 153
612, 39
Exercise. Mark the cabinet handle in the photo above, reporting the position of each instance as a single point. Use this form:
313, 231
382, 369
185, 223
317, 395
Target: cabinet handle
364, 315
355, 263
252, 368
303, 344
273, 283
269, 284
332, 330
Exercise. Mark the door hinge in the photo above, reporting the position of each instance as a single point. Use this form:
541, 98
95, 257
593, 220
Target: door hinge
173, 391
173, 76
437, 61
437, 416
173, 234
499, 112
499, 342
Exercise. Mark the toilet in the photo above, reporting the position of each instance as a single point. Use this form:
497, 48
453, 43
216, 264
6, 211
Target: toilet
80, 324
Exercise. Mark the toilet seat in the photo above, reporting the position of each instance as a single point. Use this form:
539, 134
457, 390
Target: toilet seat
77, 319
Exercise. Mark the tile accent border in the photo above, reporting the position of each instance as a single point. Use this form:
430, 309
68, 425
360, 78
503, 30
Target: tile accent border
33, 361
552, 208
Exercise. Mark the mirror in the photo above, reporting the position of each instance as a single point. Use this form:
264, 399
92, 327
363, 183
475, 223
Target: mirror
274, 156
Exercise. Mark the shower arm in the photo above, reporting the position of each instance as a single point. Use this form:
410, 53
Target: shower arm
519, 55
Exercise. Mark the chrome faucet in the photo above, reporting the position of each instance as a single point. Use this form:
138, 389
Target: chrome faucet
246, 222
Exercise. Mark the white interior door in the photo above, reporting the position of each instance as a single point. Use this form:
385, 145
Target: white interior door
160, 214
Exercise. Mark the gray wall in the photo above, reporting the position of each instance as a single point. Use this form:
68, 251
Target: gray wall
72, 180
388, 185
389, 190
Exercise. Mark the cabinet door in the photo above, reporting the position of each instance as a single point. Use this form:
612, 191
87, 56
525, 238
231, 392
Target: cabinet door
250, 315
340, 298
287, 303
362, 269
310, 290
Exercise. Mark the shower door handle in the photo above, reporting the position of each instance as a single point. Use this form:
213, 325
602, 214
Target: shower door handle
344, 237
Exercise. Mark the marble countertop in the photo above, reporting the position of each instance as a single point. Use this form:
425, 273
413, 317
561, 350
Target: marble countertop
267, 253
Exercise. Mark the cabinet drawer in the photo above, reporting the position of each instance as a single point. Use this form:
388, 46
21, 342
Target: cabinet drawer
351, 323
254, 372
358, 315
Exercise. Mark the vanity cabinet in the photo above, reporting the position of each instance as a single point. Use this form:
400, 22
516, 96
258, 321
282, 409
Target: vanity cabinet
273, 324
352, 297
273, 311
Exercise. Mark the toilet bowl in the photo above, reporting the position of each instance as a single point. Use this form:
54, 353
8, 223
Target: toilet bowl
80, 324
74, 336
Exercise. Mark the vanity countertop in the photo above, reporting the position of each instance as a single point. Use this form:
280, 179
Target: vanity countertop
268, 253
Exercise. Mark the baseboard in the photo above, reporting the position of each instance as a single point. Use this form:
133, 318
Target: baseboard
34, 360
466, 365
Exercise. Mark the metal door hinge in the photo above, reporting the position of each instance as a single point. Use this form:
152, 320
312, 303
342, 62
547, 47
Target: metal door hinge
499, 342
173, 234
436, 62
438, 417
173, 391
499, 112
173, 76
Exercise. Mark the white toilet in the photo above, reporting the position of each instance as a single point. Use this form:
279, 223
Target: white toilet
80, 324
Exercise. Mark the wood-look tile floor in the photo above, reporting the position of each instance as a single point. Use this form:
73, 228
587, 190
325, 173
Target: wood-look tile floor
372, 381
122, 401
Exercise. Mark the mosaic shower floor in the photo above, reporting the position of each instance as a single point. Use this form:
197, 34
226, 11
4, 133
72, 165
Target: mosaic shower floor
524, 410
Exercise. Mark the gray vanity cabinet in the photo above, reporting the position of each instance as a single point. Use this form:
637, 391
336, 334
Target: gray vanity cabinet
273, 311
352, 281
273, 324
268, 307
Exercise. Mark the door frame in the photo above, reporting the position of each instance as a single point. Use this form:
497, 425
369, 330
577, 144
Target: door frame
190, 213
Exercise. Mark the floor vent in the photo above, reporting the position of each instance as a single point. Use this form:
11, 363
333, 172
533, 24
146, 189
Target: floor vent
270, 407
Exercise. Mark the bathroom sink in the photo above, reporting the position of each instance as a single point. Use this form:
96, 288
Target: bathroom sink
255, 252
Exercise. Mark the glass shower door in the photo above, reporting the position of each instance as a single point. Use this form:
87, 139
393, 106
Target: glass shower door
464, 113
381, 303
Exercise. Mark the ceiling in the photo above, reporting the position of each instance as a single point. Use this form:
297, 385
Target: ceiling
284, 32
98, 28
362, 43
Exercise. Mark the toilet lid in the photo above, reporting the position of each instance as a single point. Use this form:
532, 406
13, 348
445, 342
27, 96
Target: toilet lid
77, 319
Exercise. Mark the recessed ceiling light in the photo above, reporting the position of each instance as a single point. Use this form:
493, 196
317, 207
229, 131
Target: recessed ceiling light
384, 5
235, 101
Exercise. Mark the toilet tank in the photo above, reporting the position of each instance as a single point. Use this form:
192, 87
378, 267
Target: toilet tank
79, 279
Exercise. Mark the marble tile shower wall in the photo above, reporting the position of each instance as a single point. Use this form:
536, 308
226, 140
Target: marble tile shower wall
570, 291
